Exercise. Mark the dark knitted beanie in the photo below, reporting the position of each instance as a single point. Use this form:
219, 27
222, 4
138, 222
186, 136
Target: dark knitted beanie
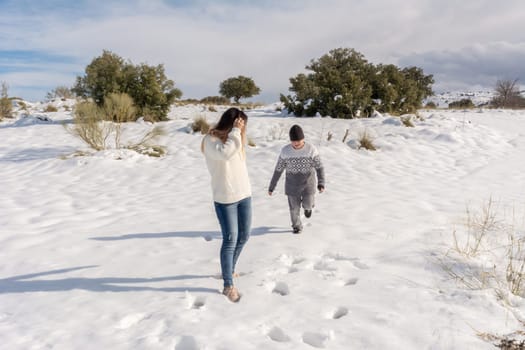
296, 133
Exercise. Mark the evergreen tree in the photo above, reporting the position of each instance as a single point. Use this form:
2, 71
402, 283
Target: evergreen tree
342, 84
152, 92
238, 87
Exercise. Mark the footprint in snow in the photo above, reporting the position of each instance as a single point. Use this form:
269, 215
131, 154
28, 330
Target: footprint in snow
340, 312
317, 340
324, 266
187, 343
278, 335
337, 313
360, 265
351, 282
195, 302
293, 269
337, 257
281, 288
289, 260
198, 303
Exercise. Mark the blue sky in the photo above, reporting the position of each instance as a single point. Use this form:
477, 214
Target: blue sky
465, 44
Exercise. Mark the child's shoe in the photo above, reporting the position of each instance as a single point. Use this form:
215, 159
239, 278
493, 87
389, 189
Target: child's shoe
308, 212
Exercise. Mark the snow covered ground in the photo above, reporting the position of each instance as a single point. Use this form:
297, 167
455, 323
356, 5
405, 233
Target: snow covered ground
117, 250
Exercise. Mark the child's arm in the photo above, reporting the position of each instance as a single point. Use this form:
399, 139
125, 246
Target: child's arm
279, 168
319, 168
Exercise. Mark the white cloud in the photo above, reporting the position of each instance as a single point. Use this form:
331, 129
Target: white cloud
475, 65
202, 43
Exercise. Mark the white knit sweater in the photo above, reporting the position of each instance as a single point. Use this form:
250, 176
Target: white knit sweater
227, 166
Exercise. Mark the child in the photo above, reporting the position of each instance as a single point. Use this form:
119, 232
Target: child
302, 162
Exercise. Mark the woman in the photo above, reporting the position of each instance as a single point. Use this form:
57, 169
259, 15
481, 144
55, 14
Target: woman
224, 150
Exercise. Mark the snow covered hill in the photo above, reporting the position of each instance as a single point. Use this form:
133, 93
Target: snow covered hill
121, 251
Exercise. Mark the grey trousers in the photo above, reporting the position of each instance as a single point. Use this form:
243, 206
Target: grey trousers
295, 202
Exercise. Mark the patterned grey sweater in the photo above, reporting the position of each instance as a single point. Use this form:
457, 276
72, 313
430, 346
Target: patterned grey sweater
301, 167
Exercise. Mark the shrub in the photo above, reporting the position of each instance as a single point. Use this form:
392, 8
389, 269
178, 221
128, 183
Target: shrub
6, 106
463, 103
145, 147
278, 132
188, 101
399, 91
62, 92
89, 127
148, 86
483, 261
22, 105
50, 108
508, 95
366, 142
119, 108
200, 124
151, 91
407, 121
342, 84
238, 88
477, 227
218, 100
95, 125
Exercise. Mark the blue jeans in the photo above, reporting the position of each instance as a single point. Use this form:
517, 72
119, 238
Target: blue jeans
235, 220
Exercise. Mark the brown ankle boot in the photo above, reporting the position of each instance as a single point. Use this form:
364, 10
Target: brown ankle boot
232, 293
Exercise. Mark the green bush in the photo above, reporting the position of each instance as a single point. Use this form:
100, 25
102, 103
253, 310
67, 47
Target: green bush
399, 91
343, 84
463, 103
238, 88
148, 86
431, 105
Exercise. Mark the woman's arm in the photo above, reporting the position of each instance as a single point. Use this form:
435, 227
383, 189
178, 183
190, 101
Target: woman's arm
224, 151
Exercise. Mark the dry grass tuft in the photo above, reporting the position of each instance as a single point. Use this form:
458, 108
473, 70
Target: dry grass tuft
407, 121
50, 109
366, 142
6, 106
89, 126
477, 226
200, 124
96, 125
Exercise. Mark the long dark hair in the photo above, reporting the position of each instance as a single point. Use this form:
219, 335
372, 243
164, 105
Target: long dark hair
228, 117
225, 125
